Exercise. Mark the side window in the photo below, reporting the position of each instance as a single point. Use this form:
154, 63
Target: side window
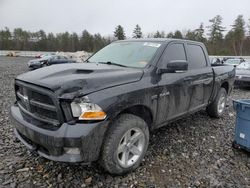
175, 52
197, 57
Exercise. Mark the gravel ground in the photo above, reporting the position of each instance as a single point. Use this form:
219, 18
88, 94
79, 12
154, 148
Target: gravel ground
192, 152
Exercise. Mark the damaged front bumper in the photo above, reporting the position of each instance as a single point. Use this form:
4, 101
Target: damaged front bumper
80, 142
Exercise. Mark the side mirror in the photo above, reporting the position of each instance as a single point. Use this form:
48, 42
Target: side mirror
173, 66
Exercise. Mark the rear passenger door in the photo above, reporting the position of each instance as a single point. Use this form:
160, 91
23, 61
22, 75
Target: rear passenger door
200, 76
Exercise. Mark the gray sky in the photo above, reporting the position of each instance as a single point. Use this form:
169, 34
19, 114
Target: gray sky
102, 16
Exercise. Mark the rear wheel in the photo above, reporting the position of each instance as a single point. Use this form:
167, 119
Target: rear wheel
217, 107
125, 144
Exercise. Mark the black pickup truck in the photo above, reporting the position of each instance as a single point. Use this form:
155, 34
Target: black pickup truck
105, 109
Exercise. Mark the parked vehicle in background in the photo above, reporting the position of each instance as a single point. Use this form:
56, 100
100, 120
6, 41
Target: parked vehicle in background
232, 61
38, 55
13, 54
216, 60
49, 60
243, 74
106, 108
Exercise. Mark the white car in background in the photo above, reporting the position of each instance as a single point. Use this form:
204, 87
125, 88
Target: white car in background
233, 61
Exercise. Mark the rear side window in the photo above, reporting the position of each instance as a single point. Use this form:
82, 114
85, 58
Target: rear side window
197, 57
175, 52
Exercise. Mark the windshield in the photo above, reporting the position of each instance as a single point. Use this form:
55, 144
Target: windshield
129, 54
244, 66
233, 61
46, 57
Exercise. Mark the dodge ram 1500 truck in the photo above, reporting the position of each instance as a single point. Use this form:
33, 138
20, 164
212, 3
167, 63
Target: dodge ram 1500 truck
104, 110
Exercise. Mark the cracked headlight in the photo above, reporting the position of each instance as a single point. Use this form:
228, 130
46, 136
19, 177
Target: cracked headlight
87, 111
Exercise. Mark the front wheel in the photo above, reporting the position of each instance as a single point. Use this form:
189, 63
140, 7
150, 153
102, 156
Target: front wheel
217, 107
125, 144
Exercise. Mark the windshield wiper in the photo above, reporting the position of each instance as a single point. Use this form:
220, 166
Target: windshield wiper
112, 63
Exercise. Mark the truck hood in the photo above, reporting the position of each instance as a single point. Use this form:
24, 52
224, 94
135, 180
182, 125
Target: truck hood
78, 79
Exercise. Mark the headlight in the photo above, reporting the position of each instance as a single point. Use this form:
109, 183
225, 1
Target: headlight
87, 111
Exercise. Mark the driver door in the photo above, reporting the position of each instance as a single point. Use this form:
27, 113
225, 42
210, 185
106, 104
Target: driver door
173, 98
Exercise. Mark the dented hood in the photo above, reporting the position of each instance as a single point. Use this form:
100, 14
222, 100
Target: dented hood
78, 79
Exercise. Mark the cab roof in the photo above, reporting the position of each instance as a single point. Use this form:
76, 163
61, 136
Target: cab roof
162, 40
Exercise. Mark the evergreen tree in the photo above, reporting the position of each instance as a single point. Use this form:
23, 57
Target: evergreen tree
25, 40
191, 35
249, 27
216, 35
230, 41
99, 42
238, 29
86, 41
42, 40
137, 33
74, 42
159, 34
178, 35
17, 36
119, 33
5, 39
200, 34
170, 35
216, 29
52, 44
65, 42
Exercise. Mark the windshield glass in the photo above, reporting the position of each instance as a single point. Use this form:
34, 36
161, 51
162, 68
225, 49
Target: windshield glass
232, 61
245, 66
129, 54
46, 57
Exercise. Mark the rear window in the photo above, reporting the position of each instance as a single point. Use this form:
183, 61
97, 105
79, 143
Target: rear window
197, 58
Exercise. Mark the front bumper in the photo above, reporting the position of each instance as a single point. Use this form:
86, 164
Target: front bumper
87, 137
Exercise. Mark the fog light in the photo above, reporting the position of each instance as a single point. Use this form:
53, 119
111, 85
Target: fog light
72, 151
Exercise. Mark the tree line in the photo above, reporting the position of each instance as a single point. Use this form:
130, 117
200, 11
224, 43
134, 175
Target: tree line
20, 39
219, 41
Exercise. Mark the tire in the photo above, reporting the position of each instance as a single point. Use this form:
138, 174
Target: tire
119, 153
217, 107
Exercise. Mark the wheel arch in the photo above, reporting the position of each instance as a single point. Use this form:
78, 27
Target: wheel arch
139, 110
225, 85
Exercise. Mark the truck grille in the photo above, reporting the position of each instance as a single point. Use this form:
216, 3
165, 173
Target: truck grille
38, 105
